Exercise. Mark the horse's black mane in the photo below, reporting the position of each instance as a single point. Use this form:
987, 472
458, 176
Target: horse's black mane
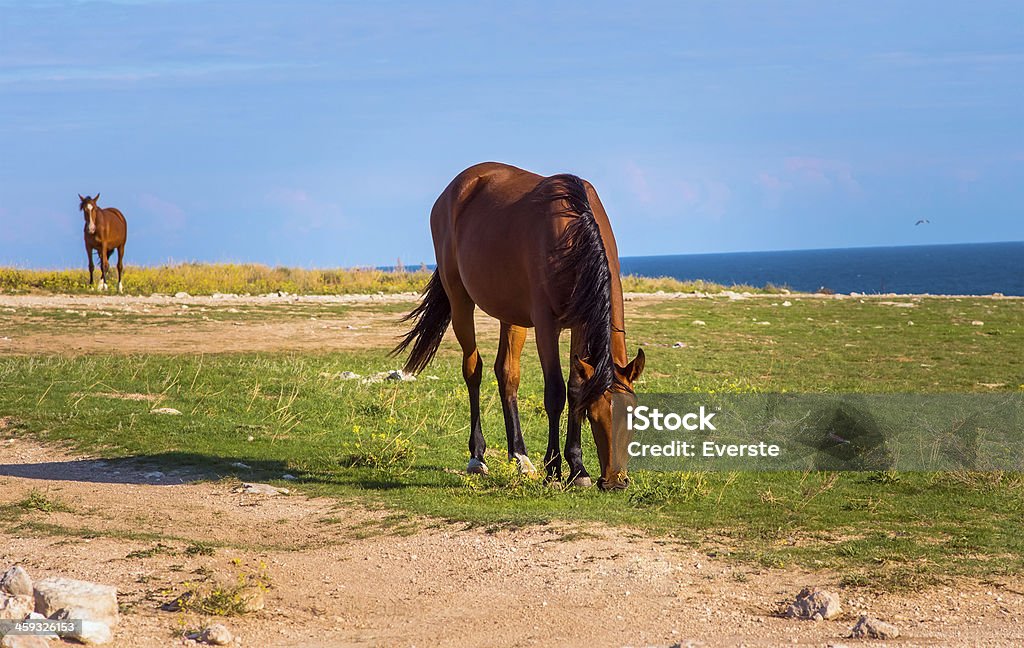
580, 259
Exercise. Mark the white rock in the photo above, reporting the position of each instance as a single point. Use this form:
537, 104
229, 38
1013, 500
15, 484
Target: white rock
699, 323
216, 635
92, 633
16, 581
977, 323
93, 601
261, 489
27, 641
170, 411
395, 374
679, 345
181, 295
787, 303
15, 607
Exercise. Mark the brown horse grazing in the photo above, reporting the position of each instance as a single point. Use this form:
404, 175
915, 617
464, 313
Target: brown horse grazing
106, 230
532, 252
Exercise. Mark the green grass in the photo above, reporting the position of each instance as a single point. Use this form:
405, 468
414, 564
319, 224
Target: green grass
404, 445
256, 279
38, 500
208, 278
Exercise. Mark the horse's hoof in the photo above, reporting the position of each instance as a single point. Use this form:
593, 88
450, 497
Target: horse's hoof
120, 288
525, 465
582, 482
477, 467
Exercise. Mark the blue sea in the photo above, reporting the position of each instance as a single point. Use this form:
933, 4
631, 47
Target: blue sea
965, 269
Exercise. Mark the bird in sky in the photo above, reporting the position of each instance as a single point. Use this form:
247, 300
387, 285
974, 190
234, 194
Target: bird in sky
921, 222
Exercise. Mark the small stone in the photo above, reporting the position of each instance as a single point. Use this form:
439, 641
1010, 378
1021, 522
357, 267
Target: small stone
699, 323
241, 465
812, 601
288, 477
154, 475
977, 323
216, 635
170, 411
787, 303
15, 607
872, 628
93, 601
349, 375
260, 489
679, 345
181, 295
16, 581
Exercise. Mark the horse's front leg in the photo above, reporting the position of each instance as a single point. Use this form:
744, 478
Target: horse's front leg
554, 392
506, 370
92, 268
578, 475
104, 266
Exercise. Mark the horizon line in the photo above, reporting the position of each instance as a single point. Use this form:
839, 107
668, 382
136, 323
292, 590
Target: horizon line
416, 265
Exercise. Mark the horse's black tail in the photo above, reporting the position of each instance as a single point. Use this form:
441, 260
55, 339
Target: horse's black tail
581, 260
431, 317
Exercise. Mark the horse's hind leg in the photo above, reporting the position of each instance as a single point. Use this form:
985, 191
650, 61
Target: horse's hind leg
120, 269
506, 370
472, 366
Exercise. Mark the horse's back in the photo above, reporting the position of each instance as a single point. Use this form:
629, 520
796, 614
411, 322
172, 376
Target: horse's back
117, 227
495, 227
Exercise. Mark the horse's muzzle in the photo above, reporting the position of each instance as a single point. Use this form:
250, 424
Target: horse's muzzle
619, 483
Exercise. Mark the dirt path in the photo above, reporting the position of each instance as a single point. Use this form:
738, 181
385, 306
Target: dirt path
342, 575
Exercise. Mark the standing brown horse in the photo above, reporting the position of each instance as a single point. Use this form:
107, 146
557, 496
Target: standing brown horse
106, 230
535, 252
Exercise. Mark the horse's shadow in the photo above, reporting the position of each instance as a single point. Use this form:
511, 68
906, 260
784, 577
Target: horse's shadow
176, 468
161, 469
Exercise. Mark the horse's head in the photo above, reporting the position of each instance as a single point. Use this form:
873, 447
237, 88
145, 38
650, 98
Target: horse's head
608, 420
89, 207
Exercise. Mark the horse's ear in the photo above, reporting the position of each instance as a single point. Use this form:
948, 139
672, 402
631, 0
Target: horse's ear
97, 197
581, 367
81, 197
633, 370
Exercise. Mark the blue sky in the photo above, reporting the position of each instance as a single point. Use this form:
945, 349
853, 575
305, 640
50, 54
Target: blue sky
320, 133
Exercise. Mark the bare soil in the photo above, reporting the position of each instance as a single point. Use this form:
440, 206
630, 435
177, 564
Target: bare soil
343, 575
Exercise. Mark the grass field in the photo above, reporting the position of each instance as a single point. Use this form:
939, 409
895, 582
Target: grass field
255, 279
403, 445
